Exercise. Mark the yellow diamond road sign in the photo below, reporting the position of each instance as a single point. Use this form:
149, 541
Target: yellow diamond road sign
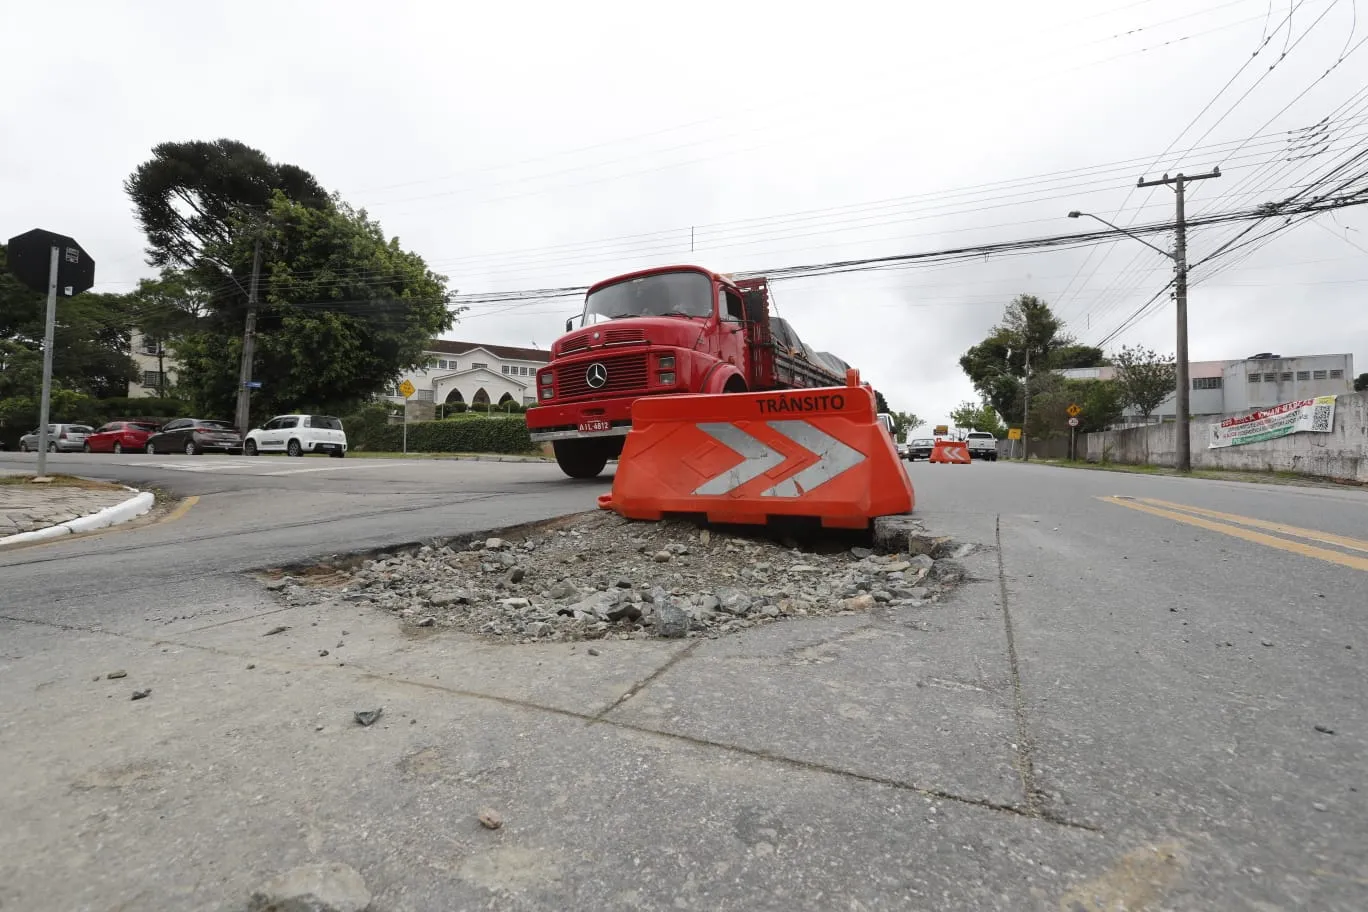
1014, 433
1073, 410
406, 388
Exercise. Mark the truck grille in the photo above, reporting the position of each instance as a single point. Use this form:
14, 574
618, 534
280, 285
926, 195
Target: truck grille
625, 373
585, 340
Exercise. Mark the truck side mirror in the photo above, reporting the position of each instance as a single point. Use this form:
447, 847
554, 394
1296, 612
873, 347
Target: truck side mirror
569, 323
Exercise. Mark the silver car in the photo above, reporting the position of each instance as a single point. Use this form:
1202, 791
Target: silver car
62, 438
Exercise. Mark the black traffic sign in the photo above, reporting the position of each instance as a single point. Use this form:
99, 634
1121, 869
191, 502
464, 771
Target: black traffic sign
30, 260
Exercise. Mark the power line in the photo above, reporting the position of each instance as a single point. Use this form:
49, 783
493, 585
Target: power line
767, 125
359, 276
1200, 114
1278, 168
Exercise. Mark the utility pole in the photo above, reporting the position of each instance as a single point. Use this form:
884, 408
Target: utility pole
1182, 391
1026, 407
244, 399
49, 330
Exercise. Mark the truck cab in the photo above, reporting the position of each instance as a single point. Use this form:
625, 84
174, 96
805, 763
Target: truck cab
673, 330
663, 331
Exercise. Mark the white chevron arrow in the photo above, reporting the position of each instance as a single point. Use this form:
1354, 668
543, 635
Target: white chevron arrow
837, 457
758, 458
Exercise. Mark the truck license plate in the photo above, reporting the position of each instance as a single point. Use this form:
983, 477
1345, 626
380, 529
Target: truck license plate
598, 424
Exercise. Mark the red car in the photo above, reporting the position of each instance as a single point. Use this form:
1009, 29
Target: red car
120, 437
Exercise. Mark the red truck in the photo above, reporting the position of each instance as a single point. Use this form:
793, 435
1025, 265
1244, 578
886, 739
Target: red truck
668, 330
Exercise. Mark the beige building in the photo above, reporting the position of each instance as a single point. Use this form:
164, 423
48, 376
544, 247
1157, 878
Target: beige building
153, 362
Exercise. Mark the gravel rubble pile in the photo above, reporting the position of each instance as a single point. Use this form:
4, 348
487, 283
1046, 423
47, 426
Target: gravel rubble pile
600, 576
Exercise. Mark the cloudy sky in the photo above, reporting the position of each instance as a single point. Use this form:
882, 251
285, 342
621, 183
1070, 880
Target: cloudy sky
541, 145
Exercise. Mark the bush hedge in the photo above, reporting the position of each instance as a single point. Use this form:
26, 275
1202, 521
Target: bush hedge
100, 411
371, 419
487, 435
20, 416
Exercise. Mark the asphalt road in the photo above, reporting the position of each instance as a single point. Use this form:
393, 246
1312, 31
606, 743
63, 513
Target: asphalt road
270, 511
1119, 710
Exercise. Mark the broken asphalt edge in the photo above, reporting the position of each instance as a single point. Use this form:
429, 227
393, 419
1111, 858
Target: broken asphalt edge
132, 508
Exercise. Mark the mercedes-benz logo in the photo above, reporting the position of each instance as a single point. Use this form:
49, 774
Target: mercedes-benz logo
596, 375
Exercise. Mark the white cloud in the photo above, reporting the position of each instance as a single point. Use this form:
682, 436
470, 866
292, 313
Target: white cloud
509, 144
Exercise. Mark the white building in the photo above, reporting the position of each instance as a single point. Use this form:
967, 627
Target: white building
472, 372
466, 372
153, 361
1234, 387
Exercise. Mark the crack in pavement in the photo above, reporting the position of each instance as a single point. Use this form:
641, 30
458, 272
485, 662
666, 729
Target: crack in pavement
636, 688
1032, 812
1024, 762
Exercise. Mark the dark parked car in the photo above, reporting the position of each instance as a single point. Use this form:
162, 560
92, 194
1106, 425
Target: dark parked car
193, 436
919, 448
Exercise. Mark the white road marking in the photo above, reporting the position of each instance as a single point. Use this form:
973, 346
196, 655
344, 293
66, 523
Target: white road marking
254, 466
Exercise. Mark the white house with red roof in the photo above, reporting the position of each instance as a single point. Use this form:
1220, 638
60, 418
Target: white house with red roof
472, 372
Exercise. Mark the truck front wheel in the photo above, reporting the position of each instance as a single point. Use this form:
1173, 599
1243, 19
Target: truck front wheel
582, 458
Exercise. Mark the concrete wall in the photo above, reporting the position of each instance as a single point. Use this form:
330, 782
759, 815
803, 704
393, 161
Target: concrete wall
1342, 454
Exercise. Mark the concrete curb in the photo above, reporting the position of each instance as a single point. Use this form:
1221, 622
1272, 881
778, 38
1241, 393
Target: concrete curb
110, 516
438, 457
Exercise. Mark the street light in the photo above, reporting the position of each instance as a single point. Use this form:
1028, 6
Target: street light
1182, 442
1076, 214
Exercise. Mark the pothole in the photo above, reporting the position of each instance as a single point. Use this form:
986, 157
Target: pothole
598, 576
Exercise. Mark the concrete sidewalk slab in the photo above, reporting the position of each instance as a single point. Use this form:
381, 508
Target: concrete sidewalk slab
224, 776
35, 512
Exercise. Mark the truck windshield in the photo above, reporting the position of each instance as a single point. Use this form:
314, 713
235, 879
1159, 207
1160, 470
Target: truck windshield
669, 294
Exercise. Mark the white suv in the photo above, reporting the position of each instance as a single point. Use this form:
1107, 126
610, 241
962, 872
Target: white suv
296, 435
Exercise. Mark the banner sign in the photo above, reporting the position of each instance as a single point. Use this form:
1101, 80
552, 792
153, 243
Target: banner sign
1316, 416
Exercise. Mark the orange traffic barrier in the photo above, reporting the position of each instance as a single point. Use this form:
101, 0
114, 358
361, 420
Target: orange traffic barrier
751, 457
951, 451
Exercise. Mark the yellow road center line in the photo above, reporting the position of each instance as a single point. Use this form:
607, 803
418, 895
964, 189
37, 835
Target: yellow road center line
1271, 541
181, 509
1328, 538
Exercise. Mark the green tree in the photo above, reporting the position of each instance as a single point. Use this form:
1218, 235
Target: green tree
1052, 394
1361, 383
90, 341
343, 311
1144, 377
1067, 356
190, 195
903, 422
1030, 330
21, 369
166, 310
981, 417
